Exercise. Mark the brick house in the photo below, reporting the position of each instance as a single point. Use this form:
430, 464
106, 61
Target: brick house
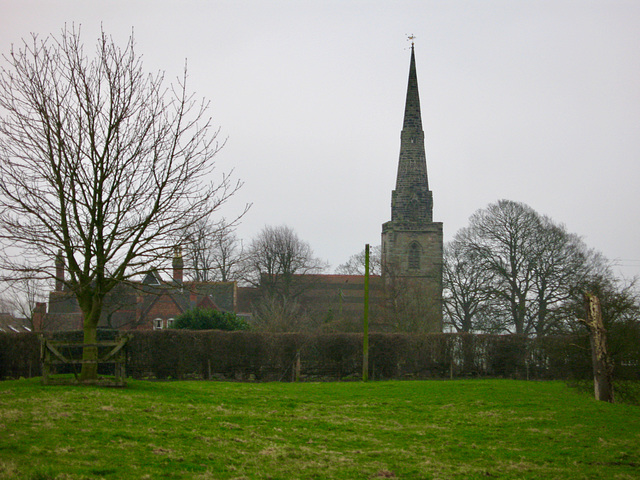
150, 304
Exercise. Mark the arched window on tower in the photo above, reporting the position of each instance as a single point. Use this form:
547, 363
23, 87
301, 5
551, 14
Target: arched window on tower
414, 256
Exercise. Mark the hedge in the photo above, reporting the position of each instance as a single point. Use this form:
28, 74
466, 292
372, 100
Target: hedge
19, 355
251, 356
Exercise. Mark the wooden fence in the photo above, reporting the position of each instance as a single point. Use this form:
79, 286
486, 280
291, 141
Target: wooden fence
61, 353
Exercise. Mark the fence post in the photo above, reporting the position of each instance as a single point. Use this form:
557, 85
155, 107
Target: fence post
46, 360
298, 366
365, 341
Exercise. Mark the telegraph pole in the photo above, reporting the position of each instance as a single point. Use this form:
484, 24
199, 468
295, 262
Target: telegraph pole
365, 342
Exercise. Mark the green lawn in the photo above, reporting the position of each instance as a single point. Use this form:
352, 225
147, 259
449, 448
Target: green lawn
410, 430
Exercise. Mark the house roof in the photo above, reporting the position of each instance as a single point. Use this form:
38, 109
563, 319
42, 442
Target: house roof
11, 324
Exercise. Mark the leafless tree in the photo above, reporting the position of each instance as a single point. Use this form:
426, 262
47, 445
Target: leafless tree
21, 297
273, 313
100, 162
276, 255
406, 304
277, 262
213, 252
561, 268
501, 239
466, 289
355, 264
619, 299
619, 302
530, 267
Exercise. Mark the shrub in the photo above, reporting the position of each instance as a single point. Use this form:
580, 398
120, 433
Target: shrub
19, 355
205, 319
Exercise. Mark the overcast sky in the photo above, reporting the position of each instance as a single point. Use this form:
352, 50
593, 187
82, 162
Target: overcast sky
532, 101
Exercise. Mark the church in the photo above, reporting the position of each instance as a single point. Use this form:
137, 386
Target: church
412, 243
406, 297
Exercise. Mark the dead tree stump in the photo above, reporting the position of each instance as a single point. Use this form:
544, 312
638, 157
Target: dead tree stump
602, 364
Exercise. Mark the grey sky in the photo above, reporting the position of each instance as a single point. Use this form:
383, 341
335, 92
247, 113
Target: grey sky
533, 101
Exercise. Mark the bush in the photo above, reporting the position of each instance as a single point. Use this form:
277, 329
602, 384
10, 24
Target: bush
204, 319
19, 355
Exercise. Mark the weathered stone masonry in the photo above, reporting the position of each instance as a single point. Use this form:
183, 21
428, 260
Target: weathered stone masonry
412, 242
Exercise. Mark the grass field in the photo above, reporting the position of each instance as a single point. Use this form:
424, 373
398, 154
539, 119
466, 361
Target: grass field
409, 430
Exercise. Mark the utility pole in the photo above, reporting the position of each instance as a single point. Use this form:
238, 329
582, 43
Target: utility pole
365, 341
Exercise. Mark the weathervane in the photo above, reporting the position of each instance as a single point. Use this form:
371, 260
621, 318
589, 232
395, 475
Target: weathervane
411, 37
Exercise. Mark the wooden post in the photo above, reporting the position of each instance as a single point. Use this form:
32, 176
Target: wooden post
46, 360
365, 341
298, 367
602, 365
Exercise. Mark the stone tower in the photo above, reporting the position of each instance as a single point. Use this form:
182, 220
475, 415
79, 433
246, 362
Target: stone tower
412, 241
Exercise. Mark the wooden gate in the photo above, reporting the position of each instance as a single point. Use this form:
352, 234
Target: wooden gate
109, 352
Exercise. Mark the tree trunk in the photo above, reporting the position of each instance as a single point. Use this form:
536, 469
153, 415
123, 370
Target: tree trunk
91, 313
602, 365
89, 353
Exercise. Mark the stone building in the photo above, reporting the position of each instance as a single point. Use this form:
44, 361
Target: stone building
412, 243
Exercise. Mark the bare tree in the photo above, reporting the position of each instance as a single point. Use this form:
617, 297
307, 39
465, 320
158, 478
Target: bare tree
355, 264
214, 252
21, 297
275, 256
501, 238
530, 267
277, 262
101, 163
273, 313
466, 289
407, 306
619, 301
562, 266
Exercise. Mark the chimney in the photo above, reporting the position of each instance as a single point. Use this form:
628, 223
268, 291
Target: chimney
38, 316
59, 271
178, 265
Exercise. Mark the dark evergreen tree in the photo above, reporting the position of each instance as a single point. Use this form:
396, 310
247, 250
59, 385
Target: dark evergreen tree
206, 319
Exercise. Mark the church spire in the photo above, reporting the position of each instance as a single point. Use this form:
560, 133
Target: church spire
412, 243
412, 201
412, 117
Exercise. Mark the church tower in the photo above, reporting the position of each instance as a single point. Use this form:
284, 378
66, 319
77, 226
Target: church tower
412, 241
